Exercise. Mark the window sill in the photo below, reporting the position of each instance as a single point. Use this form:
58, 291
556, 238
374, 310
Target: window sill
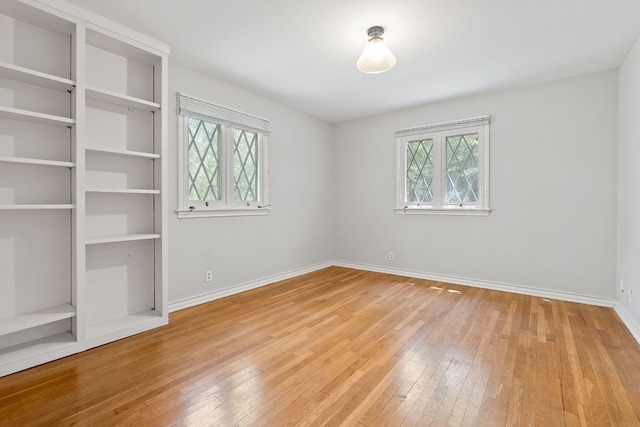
207, 213
423, 210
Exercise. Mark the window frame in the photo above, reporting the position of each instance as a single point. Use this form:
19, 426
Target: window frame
438, 133
226, 205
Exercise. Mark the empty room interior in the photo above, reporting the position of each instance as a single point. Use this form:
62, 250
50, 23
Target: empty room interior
356, 213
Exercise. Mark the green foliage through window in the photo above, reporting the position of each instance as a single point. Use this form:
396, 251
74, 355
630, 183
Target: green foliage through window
462, 168
204, 160
419, 171
245, 165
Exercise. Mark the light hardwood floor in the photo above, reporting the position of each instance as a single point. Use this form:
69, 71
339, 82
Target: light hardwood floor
347, 347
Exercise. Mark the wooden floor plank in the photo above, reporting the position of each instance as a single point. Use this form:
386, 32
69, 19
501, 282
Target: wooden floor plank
348, 347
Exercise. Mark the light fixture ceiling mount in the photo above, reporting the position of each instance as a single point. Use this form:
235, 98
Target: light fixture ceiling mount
375, 32
376, 57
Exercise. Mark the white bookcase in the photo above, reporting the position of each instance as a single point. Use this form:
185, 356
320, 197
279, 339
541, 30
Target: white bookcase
83, 234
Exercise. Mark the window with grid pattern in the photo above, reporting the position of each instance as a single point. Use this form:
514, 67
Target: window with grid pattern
444, 168
223, 162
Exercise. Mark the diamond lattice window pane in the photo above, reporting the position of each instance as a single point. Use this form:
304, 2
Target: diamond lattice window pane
419, 171
204, 160
245, 165
462, 168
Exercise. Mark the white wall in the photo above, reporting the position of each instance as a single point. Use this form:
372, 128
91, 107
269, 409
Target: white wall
629, 189
553, 191
296, 234
554, 159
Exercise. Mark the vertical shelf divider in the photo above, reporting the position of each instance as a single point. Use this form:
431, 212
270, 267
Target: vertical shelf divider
161, 173
78, 151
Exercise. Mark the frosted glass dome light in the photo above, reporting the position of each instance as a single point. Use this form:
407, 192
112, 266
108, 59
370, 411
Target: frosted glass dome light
376, 57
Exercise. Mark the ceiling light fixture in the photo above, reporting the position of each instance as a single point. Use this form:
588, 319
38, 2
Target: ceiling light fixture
376, 57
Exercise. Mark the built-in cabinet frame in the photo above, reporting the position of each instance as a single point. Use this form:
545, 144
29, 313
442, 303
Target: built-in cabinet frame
83, 182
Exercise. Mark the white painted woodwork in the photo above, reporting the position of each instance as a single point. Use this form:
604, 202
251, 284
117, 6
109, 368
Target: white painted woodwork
40, 350
114, 214
25, 161
34, 141
82, 233
123, 190
114, 127
118, 279
120, 238
123, 153
34, 206
26, 75
36, 318
122, 100
34, 116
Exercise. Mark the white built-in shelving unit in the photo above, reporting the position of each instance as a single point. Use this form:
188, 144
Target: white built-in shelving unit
83, 234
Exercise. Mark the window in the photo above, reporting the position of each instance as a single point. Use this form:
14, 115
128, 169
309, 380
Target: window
444, 168
223, 161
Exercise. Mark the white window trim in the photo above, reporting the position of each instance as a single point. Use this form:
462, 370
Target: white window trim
189, 106
441, 130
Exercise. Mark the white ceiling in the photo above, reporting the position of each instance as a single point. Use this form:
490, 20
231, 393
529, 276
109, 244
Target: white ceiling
302, 53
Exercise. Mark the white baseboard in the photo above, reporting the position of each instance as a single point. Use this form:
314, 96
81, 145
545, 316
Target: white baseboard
628, 320
525, 290
211, 296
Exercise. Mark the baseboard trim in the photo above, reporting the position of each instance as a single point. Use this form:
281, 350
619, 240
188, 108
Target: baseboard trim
622, 312
242, 287
506, 287
628, 321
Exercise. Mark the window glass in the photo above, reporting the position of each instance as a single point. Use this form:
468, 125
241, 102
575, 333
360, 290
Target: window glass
462, 168
204, 160
419, 171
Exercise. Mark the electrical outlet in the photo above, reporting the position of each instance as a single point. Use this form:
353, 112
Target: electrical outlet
630, 293
208, 276
392, 256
